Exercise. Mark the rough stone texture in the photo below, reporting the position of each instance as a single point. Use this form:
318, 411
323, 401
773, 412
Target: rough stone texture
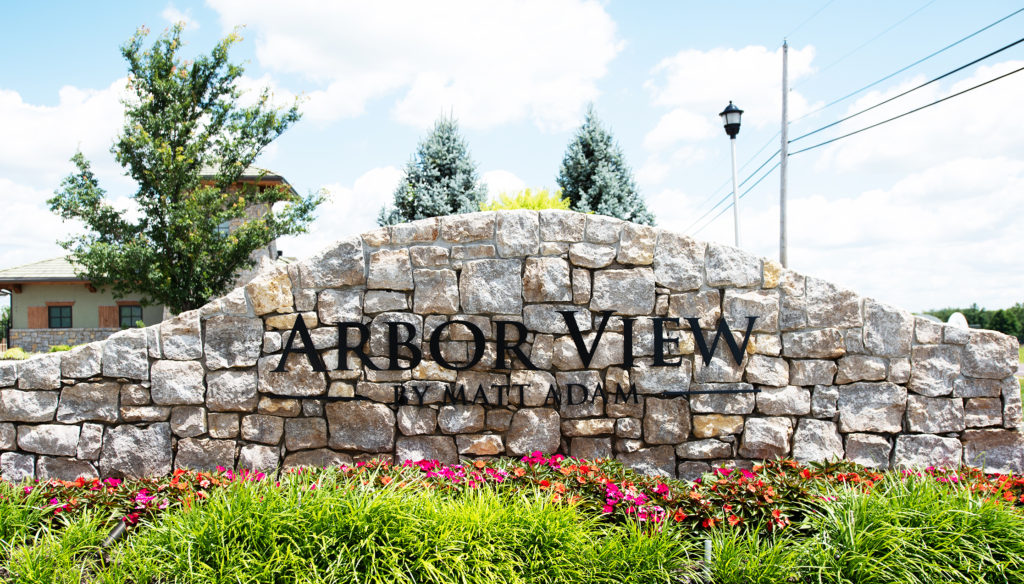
714, 425
980, 412
9, 373
815, 344
80, 362
27, 406
766, 438
205, 454
460, 419
131, 451
86, 402
17, 467
824, 401
935, 415
517, 233
40, 372
437, 292
870, 450
728, 266
258, 457
177, 383
558, 225
990, 355
232, 341
591, 255
491, 286
655, 461
546, 280
8, 437
784, 401
318, 458
828, 305
413, 420
181, 336
533, 429
723, 403
654, 380
125, 355
440, 448
704, 450
298, 379
667, 421
64, 469
480, 444
872, 407
52, 439
888, 331
303, 433
679, 262
627, 292
764, 370
334, 306
816, 440
763, 304
232, 390
188, 421
921, 450
589, 448
1000, 451
341, 265
637, 244
365, 426
223, 425
812, 372
934, 369
390, 269
860, 368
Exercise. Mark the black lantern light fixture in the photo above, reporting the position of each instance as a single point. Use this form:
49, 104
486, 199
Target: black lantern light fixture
731, 120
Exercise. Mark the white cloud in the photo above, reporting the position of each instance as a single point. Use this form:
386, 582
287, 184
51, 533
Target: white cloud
502, 181
349, 209
488, 63
33, 233
172, 15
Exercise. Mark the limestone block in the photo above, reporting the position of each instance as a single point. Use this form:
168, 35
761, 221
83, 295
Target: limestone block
934, 369
704, 305
533, 429
384, 301
590, 448
679, 262
429, 256
334, 306
415, 231
766, 438
16, 467
980, 412
491, 287
955, 335
437, 292
365, 426
654, 461
637, 244
64, 469
8, 373
188, 421
872, 407
517, 233
261, 428
461, 419
390, 269
784, 401
728, 266
870, 450
812, 372
707, 449
232, 341
602, 229
723, 403
88, 402
413, 420
824, 401
223, 425
581, 286
1012, 406
860, 368
692, 471
177, 383
415, 448
305, 433
559, 225
271, 291
232, 390
298, 378
814, 344
763, 304
935, 415
997, 451
54, 439
319, 458
591, 255
257, 457
888, 331
341, 265
78, 363
667, 421
763, 370
628, 428
626, 292
536, 385
970, 387
134, 414
923, 450
816, 441
181, 337
546, 280
27, 406
899, 371
205, 454
828, 305
579, 396
927, 332
989, 354
9, 437
468, 227
131, 451
715, 425
545, 318
41, 372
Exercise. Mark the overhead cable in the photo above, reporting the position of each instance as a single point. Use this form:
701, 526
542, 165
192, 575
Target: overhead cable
726, 208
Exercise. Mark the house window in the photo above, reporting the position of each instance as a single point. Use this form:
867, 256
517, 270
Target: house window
59, 316
129, 314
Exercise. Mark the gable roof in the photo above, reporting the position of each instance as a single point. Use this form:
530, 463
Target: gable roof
51, 270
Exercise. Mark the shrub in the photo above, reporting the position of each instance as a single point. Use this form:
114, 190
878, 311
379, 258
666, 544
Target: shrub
59, 348
14, 354
528, 199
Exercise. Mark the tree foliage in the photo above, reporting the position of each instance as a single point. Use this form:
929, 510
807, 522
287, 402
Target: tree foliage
528, 199
595, 176
1005, 320
180, 117
440, 179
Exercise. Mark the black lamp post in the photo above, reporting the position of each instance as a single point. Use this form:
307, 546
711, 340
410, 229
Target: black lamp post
731, 120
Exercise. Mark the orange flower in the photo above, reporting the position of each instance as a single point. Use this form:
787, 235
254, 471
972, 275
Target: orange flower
734, 520
679, 516
480, 463
385, 480
519, 471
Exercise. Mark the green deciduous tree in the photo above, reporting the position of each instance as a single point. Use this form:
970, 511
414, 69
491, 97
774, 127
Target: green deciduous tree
1005, 321
180, 117
527, 199
440, 179
595, 176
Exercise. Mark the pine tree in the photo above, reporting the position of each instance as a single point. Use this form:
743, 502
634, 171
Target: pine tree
595, 176
440, 179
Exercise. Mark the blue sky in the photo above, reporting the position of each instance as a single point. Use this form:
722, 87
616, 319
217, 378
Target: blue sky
923, 212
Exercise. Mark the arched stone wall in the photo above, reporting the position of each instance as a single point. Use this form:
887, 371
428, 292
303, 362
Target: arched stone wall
822, 372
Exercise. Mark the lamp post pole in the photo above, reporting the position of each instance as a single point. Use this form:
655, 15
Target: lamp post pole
731, 120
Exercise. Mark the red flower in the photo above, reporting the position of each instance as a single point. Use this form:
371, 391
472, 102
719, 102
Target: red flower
734, 520
679, 515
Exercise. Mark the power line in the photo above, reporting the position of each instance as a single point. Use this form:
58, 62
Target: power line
869, 41
914, 64
938, 101
745, 165
726, 208
726, 197
809, 18
929, 82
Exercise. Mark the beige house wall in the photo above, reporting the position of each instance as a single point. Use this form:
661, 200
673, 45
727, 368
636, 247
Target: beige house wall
84, 311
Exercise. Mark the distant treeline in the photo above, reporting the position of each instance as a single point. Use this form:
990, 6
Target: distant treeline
1005, 320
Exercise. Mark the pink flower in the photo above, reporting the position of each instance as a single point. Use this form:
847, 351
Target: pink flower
661, 489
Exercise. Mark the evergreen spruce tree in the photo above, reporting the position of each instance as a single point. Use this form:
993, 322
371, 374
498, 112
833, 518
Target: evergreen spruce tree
595, 176
440, 179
